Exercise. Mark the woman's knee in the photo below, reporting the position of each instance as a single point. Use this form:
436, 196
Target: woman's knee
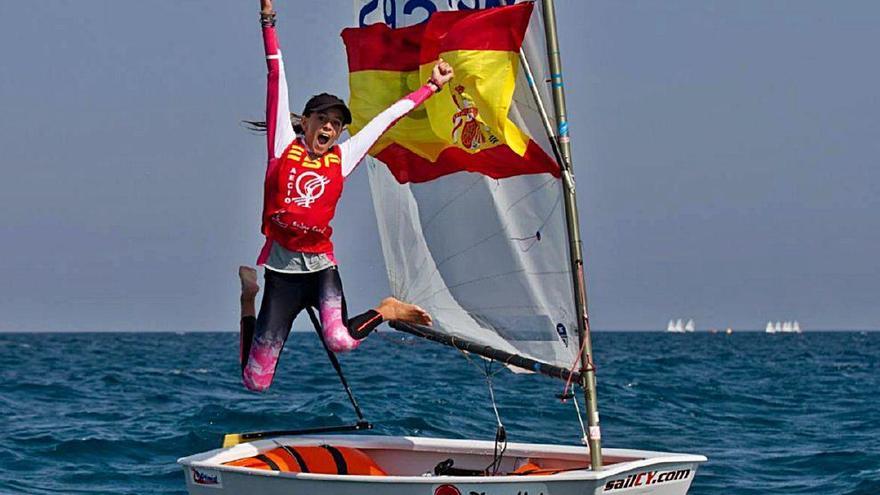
338, 339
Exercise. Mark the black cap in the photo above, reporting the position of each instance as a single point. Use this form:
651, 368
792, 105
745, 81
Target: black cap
326, 101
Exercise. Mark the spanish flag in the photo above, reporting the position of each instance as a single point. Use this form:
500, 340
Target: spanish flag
465, 127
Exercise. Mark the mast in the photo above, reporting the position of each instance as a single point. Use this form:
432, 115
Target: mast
588, 371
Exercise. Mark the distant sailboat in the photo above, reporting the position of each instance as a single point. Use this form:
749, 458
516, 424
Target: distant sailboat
783, 327
678, 326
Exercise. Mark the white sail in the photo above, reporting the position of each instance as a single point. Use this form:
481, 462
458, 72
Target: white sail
778, 326
796, 327
786, 326
487, 258
770, 328
674, 326
689, 327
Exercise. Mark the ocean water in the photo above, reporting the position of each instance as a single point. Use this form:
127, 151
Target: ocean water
110, 413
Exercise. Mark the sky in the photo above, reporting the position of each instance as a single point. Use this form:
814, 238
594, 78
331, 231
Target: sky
725, 152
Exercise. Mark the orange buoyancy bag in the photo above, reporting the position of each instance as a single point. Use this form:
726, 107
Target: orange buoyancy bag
532, 469
300, 200
323, 459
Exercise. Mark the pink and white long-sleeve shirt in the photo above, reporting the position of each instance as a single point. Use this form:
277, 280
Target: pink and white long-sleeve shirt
295, 215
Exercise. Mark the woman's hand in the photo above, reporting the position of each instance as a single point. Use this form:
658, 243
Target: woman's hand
441, 74
265, 6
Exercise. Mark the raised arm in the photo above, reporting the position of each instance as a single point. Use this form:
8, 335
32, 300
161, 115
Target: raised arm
354, 150
279, 131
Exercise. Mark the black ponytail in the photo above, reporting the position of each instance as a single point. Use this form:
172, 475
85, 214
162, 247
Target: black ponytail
259, 127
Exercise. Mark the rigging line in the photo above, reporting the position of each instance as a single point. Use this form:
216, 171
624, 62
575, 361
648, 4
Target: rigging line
486, 371
488, 367
584, 439
500, 434
591, 367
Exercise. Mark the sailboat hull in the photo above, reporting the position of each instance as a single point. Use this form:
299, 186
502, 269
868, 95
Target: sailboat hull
410, 462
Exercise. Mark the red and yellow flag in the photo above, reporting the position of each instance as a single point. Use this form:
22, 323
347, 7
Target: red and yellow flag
464, 127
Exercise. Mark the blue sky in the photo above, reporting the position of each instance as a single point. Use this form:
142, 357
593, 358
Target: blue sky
726, 156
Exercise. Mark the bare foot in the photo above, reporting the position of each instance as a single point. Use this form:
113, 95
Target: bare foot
397, 310
249, 285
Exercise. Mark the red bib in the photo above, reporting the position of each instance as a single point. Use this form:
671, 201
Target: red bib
300, 199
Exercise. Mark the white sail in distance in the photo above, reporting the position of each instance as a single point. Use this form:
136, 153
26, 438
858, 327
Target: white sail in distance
487, 258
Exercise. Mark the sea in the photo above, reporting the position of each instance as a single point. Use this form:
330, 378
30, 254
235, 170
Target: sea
95, 413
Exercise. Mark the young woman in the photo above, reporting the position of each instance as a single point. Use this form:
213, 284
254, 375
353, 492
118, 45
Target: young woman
303, 183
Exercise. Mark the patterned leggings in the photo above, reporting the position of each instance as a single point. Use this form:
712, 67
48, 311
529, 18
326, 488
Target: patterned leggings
284, 296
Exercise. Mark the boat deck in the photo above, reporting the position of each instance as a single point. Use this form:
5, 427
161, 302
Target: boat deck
410, 457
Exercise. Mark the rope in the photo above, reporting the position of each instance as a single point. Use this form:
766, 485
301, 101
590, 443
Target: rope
590, 367
500, 433
492, 395
584, 439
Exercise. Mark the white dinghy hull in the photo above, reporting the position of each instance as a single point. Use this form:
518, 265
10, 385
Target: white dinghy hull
407, 459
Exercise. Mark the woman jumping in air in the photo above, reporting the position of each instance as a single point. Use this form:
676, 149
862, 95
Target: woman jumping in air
303, 184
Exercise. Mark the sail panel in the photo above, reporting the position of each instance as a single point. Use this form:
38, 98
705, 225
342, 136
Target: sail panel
486, 257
